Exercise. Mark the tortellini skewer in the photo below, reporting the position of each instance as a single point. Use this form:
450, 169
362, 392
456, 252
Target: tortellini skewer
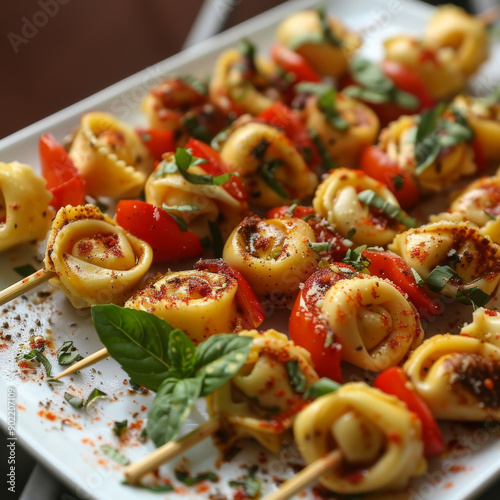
262, 399
380, 440
24, 205
96, 261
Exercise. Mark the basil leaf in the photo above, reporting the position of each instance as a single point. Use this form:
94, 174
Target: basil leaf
351, 233
328, 34
327, 105
138, 340
268, 171
219, 358
166, 167
181, 208
170, 408
181, 354
94, 395
490, 216
189, 480
355, 258
220, 138
296, 377
217, 240
251, 485
405, 99
398, 181
312, 88
196, 84
439, 277
328, 162
473, 296
369, 75
25, 270
428, 122
320, 246
40, 357
73, 400
292, 208
367, 95
181, 223
248, 50
418, 279
68, 354
114, 454
120, 427
195, 128
371, 198
321, 387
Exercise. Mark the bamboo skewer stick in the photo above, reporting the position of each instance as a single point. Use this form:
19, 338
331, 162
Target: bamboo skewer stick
306, 476
25, 285
83, 363
134, 472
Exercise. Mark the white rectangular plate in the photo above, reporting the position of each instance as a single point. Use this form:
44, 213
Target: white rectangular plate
68, 441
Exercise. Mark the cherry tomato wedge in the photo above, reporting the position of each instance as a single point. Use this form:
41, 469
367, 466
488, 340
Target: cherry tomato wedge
215, 166
381, 167
294, 63
394, 381
298, 211
64, 180
250, 306
157, 141
391, 266
156, 227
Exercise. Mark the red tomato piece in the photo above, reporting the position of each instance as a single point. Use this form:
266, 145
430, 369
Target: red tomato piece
215, 166
378, 165
252, 311
157, 141
394, 381
156, 227
479, 156
391, 266
64, 180
282, 212
294, 63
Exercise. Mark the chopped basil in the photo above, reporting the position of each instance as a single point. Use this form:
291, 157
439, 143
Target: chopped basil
186, 478
419, 280
54, 381
320, 246
296, 377
181, 223
392, 211
217, 240
268, 171
327, 105
220, 138
94, 395
160, 488
196, 84
25, 270
328, 34
473, 296
247, 48
119, 428
312, 88
276, 253
490, 216
291, 208
356, 259
321, 387
439, 277
68, 354
398, 181
114, 454
251, 485
40, 357
350, 234
73, 400
196, 129
328, 162
179, 208
101, 206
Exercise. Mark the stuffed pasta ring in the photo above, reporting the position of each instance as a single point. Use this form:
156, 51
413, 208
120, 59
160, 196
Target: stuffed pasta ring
262, 399
379, 438
96, 261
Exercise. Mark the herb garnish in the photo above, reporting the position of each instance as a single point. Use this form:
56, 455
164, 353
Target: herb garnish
94, 395
25, 270
186, 478
68, 354
40, 357
251, 485
355, 258
73, 400
318, 247
114, 454
328, 162
119, 428
297, 379
321, 387
268, 172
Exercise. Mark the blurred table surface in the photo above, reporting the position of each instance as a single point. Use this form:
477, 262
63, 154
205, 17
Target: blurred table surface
75, 49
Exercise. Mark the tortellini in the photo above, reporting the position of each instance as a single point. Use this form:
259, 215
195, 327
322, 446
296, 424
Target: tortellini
336, 199
397, 140
196, 204
198, 302
372, 320
110, 156
96, 261
457, 376
380, 440
262, 399
240, 83
272, 169
485, 326
273, 255
473, 257
345, 146
24, 205
326, 49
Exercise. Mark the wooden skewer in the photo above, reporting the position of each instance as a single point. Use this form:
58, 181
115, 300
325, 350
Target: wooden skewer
83, 363
490, 16
25, 285
306, 476
134, 472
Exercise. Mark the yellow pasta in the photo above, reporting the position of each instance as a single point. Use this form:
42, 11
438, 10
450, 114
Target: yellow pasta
457, 376
261, 401
336, 200
110, 156
485, 326
378, 437
258, 152
372, 320
273, 255
96, 261
24, 205
303, 32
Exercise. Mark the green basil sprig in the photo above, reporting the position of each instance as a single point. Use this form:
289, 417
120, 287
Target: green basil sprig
326, 158
268, 173
40, 357
321, 387
166, 361
297, 379
355, 258
374, 87
68, 354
